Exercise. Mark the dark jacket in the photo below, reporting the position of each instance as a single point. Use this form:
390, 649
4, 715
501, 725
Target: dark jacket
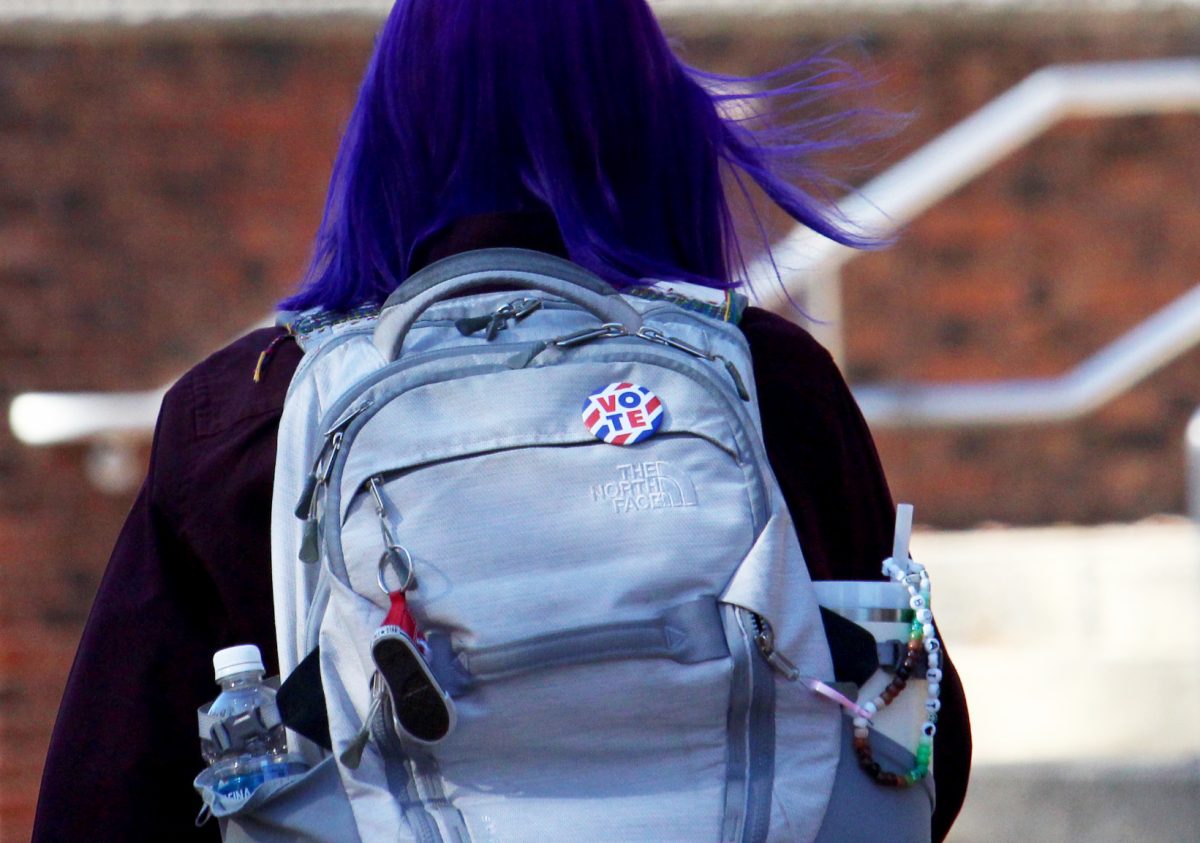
190, 574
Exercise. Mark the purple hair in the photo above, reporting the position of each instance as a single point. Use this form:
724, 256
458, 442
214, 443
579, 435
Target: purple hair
578, 108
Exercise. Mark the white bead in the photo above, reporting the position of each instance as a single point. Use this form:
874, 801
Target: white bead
862, 733
870, 708
915, 567
933, 706
917, 602
933, 660
929, 729
860, 722
934, 689
933, 675
928, 631
932, 645
925, 616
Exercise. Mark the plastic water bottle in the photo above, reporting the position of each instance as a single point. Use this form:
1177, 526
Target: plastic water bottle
245, 744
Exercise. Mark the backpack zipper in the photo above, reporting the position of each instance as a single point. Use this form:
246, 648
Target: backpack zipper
496, 321
308, 506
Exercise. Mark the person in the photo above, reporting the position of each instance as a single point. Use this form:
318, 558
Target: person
568, 128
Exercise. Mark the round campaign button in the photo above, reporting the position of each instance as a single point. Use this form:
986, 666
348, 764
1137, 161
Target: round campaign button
622, 413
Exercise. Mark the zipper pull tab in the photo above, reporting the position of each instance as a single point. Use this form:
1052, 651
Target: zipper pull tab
765, 639
782, 666
494, 326
310, 544
738, 383
320, 471
304, 505
323, 466
523, 358
308, 508
469, 325
352, 755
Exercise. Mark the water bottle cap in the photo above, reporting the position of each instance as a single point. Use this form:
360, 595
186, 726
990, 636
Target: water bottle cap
238, 659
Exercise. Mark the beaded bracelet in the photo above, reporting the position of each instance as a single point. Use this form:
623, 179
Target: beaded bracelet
922, 638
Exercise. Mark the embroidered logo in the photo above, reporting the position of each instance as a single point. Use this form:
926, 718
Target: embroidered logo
643, 486
622, 413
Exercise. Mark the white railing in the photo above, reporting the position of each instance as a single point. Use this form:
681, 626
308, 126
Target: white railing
1102, 377
976, 144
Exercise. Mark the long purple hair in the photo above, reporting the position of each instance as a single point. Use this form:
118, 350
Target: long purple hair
575, 107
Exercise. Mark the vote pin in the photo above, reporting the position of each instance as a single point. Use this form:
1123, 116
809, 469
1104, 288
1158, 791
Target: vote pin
622, 413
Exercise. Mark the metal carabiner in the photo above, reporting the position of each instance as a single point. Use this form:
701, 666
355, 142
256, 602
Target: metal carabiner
651, 334
397, 558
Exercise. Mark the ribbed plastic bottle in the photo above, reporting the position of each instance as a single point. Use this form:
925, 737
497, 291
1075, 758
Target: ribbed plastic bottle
251, 746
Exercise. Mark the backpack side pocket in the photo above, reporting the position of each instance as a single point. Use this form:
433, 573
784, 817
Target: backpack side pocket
309, 807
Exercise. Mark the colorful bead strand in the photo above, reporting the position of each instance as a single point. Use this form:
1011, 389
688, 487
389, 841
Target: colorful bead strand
922, 641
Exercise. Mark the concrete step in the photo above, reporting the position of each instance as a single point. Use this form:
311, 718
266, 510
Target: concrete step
1096, 803
1075, 644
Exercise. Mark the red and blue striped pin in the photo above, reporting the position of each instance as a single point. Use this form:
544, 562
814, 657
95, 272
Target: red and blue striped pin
622, 413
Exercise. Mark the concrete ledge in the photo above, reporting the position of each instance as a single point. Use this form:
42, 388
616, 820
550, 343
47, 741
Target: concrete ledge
1075, 644
1075, 803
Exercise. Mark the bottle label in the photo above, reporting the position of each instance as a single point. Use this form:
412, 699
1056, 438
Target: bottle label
243, 786
240, 787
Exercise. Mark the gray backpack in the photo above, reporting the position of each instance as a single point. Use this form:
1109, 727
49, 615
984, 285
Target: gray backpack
614, 623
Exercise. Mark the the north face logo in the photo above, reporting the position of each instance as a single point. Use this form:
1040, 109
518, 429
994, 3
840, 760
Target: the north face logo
642, 486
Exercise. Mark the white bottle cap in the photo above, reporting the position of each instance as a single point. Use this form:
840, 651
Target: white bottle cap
238, 659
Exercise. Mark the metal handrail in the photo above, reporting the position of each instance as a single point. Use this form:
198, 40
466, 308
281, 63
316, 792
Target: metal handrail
60, 418
1012, 120
1102, 377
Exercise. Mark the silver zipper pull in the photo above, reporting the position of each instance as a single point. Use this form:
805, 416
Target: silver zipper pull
658, 337
350, 415
784, 667
496, 321
327, 470
526, 307
395, 557
323, 465
309, 508
605, 331
377, 494
304, 506
765, 639
352, 755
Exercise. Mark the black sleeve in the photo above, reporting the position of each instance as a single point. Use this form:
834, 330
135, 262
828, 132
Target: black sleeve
190, 574
125, 749
827, 465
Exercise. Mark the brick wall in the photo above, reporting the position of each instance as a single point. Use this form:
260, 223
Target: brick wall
158, 187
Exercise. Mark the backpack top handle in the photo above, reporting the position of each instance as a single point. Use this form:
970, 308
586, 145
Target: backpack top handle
520, 269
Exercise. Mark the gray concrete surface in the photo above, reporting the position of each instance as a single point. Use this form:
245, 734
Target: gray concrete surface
1100, 803
1080, 651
